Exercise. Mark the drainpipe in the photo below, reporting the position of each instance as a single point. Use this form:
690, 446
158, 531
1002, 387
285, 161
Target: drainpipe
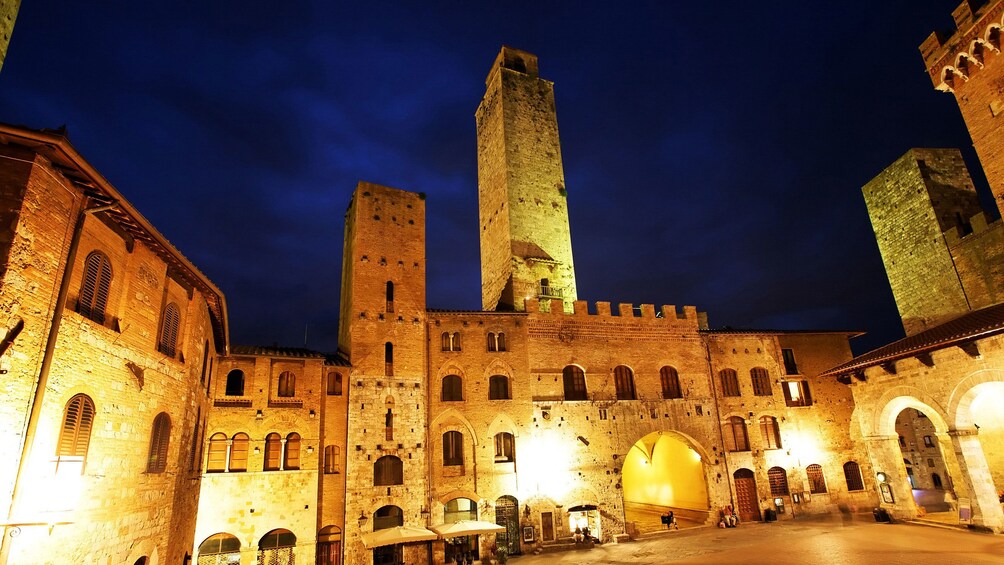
43, 375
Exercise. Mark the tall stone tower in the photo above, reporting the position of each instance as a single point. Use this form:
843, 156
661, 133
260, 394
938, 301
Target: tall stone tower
968, 63
382, 331
912, 204
526, 248
8, 14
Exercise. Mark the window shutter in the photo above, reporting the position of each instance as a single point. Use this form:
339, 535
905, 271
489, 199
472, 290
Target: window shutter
805, 393
787, 393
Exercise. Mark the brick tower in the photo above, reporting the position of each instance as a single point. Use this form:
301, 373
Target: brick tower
912, 204
526, 248
968, 63
382, 330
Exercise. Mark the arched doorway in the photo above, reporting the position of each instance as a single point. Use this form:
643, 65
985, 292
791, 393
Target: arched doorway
507, 514
664, 471
924, 459
462, 546
276, 548
220, 549
383, 518
747, 501
329, 546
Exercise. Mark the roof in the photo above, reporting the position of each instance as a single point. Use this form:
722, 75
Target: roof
276, 351
750, 331
54, 145
959, 331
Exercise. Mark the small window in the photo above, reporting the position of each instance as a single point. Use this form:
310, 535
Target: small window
169, 328
500, 339
205, 362
94, 287
902, 441
670, 383
852, 474
235, 383
504, 447
796, 393
790, 366
735, 434
446, 342
291, 456
624, 381
390, 296
498, 388
239, 453
388, 470
388, 359
730, 382
75, 437
388, 425
451, 341
817, 484
928, 442
936, 479
778, 480
273, 452
930, 462
453, 449
334, 384
771, 433
603, 413
159, 439
496, 341
217, 462
287, 384
331, 456
761, 381
575, 383
453, 388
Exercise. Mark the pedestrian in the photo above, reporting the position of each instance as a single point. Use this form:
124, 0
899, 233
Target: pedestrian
671, 522
665, 519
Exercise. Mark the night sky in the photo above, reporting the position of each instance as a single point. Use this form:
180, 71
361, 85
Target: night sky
714, 152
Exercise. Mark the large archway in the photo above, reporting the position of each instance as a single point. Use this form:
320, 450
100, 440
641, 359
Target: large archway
665, 471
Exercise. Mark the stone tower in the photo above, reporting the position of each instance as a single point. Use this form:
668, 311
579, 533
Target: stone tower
526, 248
382, 330
968, 63
912, 204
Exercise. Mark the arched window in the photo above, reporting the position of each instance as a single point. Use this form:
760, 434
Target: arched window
291, 458
218, 544
624, 381
936, 478
778, 479
329, 546
761, 381
331, 460
771, 433
852, 474
504, 448
817, 483
735, 434
273, 452
388, 470
387, 517
447, 344
388, 359
390, 296
159, 438
498, 388
456, 341
94, 287
169, 330
75, 437
287, 384
670, 383
239, 453
235, 383
575, 383
453, 388
334, 384
453, 449
388, 425
496, 341
730, 382
274, 540
217, 461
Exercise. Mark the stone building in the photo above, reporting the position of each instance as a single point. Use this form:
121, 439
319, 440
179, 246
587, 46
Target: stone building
927, 406
8, 14
109, 337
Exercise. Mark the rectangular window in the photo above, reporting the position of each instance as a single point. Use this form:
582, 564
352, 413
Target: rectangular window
796, 393
790, 367
603, 413
928, 442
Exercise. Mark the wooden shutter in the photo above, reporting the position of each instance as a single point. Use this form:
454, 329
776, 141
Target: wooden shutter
77, 422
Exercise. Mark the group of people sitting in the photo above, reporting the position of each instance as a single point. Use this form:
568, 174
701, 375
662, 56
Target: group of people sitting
669, 519
727, 518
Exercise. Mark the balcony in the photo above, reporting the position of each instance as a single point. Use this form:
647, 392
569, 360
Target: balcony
549, 291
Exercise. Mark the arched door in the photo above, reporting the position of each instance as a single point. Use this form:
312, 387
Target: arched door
507, 514
746, 497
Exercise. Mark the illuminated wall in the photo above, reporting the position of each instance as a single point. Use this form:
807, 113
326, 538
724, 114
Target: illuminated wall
988, 416
673, 477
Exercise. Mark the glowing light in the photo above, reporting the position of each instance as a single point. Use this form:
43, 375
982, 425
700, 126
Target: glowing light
546, 462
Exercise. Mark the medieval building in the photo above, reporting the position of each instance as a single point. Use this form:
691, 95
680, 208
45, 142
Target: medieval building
540, 421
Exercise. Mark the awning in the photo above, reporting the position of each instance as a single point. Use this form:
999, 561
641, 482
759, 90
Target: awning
466, 528
397, 534
582, 508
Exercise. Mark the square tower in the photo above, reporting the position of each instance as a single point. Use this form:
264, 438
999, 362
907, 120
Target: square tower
526, 247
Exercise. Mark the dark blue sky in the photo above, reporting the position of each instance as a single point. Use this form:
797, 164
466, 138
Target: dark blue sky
714, 152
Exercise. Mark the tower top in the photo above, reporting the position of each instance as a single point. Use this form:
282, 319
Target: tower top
514, 60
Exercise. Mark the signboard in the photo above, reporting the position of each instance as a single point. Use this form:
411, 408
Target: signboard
965, 511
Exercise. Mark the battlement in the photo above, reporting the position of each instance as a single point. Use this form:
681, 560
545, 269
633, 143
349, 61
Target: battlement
514, 60
977, 226
580, 309
952, 57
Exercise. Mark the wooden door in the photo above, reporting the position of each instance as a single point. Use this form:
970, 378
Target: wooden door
546, 526
746, 496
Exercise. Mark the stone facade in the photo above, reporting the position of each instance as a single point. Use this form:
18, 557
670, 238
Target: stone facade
8, 14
